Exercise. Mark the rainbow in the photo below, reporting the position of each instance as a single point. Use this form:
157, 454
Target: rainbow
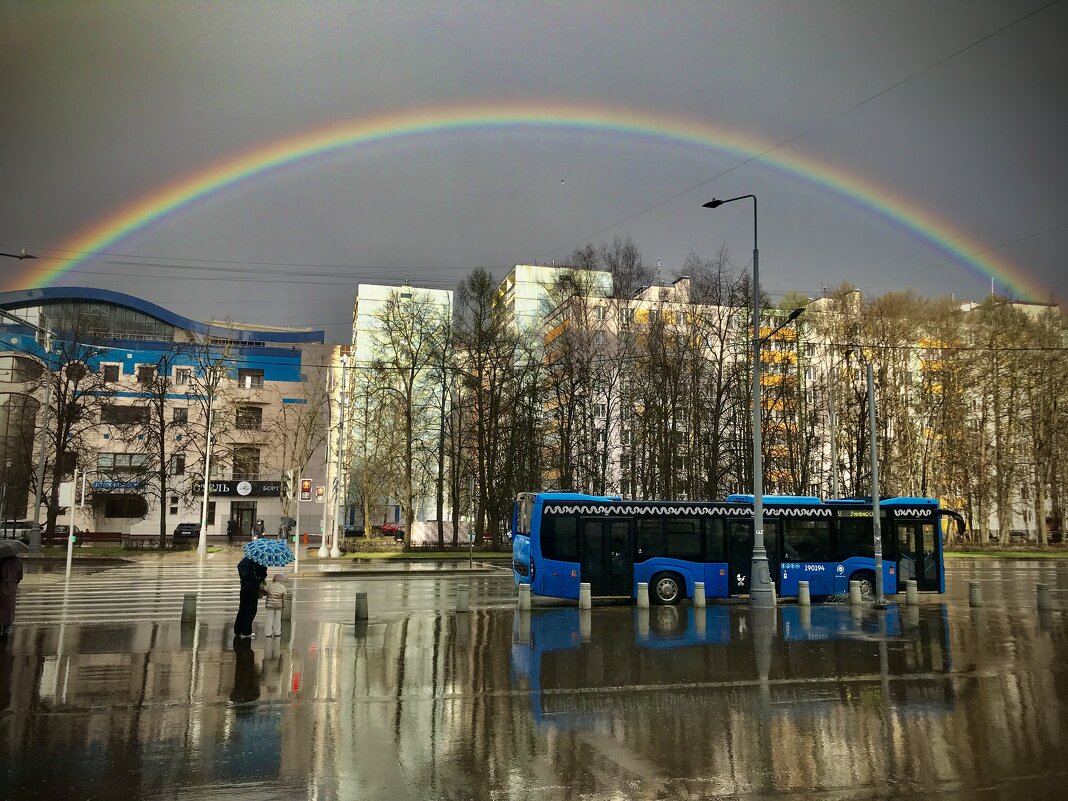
489, 117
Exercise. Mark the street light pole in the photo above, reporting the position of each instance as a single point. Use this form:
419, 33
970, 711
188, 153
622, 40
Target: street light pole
877, 534
202, 542
761, 591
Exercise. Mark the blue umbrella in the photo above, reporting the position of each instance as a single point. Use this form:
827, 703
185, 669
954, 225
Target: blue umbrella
269, 553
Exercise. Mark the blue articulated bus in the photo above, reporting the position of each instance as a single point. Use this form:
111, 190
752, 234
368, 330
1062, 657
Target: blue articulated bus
560, 539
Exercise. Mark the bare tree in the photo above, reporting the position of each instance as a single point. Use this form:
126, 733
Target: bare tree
299, 430
156, 432
409, 330
77, 390
488, 351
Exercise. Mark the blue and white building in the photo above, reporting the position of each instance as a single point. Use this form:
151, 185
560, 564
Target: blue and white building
129, 342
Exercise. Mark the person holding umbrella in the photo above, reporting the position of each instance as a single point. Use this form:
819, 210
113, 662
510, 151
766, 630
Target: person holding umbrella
10, 576
252, 570
251, 575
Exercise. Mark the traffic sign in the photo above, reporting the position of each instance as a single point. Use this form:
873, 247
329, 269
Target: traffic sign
320, 494
305, 489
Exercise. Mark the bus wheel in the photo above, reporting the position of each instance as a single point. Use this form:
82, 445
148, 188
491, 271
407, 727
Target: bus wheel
666, 589
867, 584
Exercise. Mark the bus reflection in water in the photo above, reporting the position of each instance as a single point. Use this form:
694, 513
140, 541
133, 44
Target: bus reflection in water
571, 660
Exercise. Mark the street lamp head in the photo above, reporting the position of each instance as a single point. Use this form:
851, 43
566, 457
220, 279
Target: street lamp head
712, 204
795, 314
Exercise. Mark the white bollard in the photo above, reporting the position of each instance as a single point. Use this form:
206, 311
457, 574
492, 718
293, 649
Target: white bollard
462, 597
585, 598
524, 626
803, 597
912, 593
361, 606
643, 594
189, 607
524, 597
1042, 594
699, 594
643, 622
586, 624
855, 598
975, 594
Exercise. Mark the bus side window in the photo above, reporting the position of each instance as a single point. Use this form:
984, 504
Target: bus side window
855, 538
806, 540
714, 546
559, 538
683, 538
650, 540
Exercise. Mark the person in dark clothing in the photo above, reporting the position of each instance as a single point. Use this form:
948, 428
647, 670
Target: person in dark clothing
231, 528
246, 680
10, 576
252, 576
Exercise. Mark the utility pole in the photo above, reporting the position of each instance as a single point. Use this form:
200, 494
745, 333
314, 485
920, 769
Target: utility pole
35, 530
338, 483
832, 421
324, 549
202, 543
211, 382
876, 525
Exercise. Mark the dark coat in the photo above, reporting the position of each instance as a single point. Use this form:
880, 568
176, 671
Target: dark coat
251, 572
10, 576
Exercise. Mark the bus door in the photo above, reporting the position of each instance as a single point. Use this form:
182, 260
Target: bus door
740, 553
919, 556
607, 556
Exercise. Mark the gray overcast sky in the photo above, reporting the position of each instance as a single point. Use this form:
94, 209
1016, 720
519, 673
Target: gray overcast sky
105, 103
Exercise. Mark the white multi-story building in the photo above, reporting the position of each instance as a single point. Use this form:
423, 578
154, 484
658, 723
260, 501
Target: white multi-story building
391, 325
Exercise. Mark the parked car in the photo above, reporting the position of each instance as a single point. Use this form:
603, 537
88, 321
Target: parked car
15, 529
187, 531
352, 530
63, 529
395, 530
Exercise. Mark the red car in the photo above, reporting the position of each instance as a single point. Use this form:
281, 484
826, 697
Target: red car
395, 530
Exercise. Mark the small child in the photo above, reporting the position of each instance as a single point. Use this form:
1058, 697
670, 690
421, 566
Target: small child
275, 600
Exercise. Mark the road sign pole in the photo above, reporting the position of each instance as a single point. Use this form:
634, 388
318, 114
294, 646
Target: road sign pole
320, 497
296, 536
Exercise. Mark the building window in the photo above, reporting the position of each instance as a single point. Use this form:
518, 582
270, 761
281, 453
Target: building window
121, 462
174, 505
146, 373
599, 337
183, 376
178, 465
247, 463
249, 418
180, 414
123, 415
598, 312
600, 410
111, 372
19, 369
250, 379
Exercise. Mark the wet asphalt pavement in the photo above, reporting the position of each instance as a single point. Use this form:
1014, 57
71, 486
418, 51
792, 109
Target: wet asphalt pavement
105, 694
